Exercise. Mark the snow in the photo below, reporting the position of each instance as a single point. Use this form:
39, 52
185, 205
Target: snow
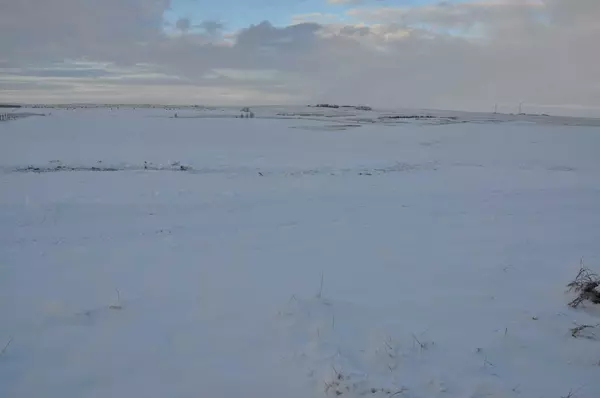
294, 256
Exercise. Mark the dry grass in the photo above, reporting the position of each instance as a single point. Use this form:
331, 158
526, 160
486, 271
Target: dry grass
343, 384
585, 284
5, 347
572, 393
584, 331
118, 305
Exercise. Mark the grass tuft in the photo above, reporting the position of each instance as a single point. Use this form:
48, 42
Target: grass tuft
6, 346
585, 285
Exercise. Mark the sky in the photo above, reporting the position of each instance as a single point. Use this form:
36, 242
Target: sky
463, 55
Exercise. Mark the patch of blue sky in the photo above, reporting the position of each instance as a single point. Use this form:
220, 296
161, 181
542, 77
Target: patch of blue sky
238, 14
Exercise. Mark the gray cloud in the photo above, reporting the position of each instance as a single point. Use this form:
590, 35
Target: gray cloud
38, 31
211, 27
355, 30
449, 55
183, 24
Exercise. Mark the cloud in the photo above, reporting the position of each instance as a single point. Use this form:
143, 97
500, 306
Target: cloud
345, 1
467, 55
183, 24
489, 18
211, 27
316, 17
32, 30
355, 30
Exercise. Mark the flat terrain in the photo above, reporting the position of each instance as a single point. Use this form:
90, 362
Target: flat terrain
301, 253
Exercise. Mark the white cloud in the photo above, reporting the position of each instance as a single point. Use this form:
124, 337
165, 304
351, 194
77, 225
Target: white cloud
344, 1
449, 55
316, 17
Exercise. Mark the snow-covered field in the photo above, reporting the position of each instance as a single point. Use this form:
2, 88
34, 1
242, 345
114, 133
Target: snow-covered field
295, 256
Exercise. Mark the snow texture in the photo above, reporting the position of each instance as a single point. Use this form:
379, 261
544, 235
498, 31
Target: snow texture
143, 255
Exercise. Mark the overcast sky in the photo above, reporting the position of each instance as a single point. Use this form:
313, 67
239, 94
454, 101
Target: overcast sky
468, 54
